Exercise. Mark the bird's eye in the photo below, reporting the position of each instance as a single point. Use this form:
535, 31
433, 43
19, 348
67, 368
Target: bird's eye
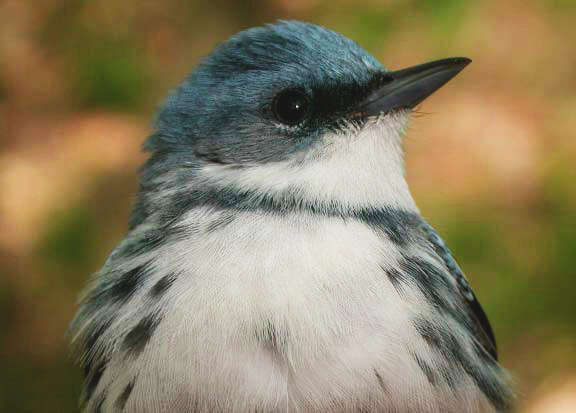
291, 106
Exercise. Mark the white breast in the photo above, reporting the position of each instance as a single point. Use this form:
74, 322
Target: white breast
291, 313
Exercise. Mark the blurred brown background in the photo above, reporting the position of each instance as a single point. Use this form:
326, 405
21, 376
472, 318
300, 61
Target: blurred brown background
491, 163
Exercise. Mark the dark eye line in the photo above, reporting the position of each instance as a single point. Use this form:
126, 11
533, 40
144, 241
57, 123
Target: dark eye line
328, 105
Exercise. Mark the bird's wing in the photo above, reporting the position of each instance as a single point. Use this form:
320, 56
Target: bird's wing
478, 322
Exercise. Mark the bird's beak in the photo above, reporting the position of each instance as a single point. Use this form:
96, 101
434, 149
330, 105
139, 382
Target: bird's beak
404, 89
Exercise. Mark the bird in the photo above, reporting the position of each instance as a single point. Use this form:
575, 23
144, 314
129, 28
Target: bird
275, 259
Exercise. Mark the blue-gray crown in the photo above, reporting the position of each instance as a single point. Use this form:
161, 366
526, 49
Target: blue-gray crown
223, 111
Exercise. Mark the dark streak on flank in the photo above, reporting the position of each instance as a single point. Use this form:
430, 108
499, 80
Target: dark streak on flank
99, 402
484, 375
425, 272
101, 305
116, 288
128, 283
486, 380
162, 285
123, 398
449, 376
429, 332
152, 239
273, 340
426, 369
92, 379
395, 277
381, 383
439, 338
89, 342
220, 222
137, 338
431, 282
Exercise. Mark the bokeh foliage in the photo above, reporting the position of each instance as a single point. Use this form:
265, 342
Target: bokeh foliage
490, 159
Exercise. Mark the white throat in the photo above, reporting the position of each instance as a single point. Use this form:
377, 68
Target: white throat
357, 169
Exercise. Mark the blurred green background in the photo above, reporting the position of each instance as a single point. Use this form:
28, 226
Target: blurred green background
491, 160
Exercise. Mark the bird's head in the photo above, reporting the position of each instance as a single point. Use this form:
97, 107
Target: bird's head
294, 107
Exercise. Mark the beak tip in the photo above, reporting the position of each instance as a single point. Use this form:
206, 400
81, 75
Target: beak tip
461, 61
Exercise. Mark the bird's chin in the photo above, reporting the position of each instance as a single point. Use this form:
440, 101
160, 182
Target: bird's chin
393, 118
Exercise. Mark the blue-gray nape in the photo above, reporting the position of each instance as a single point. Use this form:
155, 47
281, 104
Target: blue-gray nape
223, 112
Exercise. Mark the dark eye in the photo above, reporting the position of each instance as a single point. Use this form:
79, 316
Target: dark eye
291, 106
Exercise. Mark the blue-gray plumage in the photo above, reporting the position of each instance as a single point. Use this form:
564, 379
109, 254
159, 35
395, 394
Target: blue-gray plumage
275, 259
